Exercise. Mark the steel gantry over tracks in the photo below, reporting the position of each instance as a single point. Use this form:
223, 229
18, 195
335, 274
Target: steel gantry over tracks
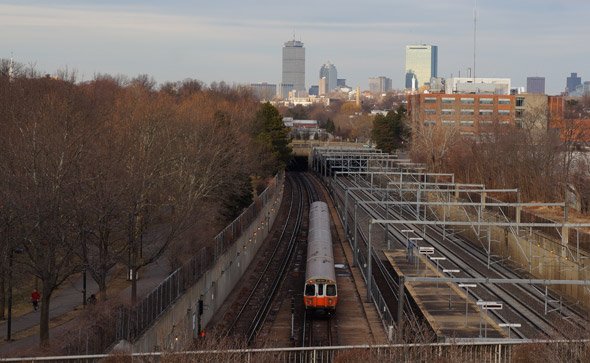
412, 205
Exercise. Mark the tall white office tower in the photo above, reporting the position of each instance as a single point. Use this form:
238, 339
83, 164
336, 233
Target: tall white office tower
421, 63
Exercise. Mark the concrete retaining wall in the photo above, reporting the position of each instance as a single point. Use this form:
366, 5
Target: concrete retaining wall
179, 322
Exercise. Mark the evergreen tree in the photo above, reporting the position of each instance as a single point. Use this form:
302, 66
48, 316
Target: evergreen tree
272, 134
330, 127
236, 199
390, 132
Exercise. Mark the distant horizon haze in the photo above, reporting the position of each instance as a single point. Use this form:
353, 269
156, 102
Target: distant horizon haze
241, 41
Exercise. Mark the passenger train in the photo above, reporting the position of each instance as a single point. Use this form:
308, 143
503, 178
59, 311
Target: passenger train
321, 292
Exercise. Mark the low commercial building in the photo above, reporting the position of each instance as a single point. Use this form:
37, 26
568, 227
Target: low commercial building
500, 86
264, 91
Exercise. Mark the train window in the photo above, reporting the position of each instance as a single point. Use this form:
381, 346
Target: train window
320, 289
310, 290
331, 290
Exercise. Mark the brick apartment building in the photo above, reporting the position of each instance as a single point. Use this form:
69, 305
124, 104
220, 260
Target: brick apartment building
471, 113
476, 114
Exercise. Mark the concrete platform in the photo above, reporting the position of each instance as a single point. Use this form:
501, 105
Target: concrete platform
444, 305
358, 320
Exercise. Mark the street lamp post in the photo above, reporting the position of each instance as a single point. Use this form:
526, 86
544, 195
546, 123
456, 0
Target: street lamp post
9, 314
84, 285
413, 242
450, 272
509, 325
467, 286
437, 259
487, 305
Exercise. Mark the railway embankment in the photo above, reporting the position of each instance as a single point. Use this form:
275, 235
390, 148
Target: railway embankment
182, 320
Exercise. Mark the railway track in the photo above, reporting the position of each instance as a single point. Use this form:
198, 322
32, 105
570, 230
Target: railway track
524, 303
317, 332
389, 286
255, 306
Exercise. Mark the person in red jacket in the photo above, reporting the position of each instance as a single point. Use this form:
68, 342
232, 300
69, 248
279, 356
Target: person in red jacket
35, 297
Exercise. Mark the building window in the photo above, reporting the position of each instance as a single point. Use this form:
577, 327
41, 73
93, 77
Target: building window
466, 112
448, 122
486, 101
466, 123
448, 100
485, 122
504, 101
467, 101
430, 100
505, 123
504, 112
447, 111
430, 111
485, 112
519, 113
519, 102
429, 123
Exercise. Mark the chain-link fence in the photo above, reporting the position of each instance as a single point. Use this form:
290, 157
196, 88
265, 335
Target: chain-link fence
130, 322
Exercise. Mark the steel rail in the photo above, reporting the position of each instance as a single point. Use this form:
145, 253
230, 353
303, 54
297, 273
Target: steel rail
263, 311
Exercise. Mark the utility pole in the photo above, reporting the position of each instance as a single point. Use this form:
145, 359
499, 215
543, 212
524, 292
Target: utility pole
474, 36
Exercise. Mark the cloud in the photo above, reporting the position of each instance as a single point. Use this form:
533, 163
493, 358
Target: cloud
241, 40
149, 20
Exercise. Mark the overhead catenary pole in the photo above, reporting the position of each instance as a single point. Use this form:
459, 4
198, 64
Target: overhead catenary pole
369, 272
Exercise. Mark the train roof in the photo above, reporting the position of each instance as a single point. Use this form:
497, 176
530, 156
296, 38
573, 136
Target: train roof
320, 257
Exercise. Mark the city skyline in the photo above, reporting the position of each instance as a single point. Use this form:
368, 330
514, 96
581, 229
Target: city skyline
204, 41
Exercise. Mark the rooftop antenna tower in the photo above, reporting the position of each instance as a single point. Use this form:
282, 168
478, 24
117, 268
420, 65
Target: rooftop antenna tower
474, 36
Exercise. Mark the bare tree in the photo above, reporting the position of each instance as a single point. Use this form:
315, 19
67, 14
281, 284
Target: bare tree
45, 147
432, 144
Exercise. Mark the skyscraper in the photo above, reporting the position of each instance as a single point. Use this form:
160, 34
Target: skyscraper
328, 71
573, 82
379, 84
421, 63
535, 85
294, 65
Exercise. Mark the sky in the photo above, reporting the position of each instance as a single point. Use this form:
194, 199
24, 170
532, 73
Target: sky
240, 41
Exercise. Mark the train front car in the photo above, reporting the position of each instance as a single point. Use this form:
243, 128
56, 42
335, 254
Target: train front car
320, 293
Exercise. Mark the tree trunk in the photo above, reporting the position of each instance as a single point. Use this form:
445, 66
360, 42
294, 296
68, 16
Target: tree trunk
102, 287
44, 320
134, 286
2, 297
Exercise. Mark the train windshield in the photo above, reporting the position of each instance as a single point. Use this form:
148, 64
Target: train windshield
331, 290
310, 290
320, 289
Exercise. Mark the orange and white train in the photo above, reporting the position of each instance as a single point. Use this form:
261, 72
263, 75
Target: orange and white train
321, 291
